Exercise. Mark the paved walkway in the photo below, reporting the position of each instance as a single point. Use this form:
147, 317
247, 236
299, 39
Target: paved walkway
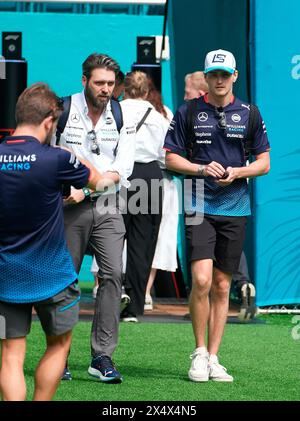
164, 311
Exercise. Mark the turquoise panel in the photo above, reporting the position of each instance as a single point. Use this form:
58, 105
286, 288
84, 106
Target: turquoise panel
277, 196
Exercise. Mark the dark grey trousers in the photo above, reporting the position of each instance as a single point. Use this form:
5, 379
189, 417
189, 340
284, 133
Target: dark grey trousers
104, 234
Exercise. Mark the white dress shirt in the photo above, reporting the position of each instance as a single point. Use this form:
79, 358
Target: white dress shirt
117, 151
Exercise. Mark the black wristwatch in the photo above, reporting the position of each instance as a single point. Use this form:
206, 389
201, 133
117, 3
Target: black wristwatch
86, 191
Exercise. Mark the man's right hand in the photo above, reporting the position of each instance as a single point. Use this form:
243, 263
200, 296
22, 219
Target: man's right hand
214, 169
75, 197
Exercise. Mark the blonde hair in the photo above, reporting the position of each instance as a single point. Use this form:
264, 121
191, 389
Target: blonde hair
136, 85
197, 80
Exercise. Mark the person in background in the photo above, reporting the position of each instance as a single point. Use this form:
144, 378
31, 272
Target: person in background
118, 91
165, 257
195, 85
142, 225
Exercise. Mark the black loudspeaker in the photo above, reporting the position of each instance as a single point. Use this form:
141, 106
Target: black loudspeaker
152, 70
12, 45
146, 50
11, 87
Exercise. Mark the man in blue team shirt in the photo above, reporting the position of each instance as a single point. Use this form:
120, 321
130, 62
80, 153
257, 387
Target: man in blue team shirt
36, 270
216, 153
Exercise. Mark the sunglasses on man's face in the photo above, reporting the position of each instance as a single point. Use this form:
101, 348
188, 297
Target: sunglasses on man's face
221, 116
93, 138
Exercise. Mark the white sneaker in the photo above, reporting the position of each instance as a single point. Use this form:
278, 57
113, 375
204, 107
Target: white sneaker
199, 367
148, 302
95, 289
129, 319
218, 373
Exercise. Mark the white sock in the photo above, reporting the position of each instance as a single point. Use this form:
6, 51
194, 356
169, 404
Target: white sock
201, 349
213, 358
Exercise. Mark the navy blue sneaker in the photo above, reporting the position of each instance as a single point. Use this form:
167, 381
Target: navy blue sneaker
66, 374
103, 368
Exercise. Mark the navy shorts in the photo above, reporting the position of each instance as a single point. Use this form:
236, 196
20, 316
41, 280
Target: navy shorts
220, 238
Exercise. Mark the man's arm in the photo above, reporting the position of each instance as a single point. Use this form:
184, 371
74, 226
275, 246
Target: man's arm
178, 163
261, 166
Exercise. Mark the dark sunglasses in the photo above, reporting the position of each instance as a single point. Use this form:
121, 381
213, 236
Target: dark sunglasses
93, 138
221, 116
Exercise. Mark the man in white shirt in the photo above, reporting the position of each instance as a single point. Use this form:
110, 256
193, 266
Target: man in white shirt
92, 133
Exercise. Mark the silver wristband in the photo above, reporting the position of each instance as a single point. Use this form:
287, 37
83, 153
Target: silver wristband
201, 169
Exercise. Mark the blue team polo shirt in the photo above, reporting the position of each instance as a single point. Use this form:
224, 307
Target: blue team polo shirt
34, 261
211, 143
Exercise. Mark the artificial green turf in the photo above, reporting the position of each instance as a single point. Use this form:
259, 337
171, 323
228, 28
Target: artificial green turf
154, 360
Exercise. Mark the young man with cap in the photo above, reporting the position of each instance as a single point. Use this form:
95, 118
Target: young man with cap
36, 269
216, 154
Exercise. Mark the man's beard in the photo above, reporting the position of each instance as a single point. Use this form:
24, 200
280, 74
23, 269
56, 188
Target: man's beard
96, 102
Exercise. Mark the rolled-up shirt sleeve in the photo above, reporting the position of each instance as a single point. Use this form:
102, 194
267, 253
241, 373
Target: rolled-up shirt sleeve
124, 161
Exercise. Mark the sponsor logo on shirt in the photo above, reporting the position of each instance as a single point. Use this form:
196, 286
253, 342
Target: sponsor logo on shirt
202, 134
75, 118
236, 118
202, 116
16, 162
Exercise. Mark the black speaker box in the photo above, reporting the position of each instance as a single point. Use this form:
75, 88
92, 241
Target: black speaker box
12, 45
146, 50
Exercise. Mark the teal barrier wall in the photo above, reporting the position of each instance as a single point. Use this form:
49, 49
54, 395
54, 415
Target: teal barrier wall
277, 196
197, 27
56, 44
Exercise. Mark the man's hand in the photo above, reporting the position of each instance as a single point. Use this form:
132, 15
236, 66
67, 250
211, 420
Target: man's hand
76, 196
214, 169
231, 176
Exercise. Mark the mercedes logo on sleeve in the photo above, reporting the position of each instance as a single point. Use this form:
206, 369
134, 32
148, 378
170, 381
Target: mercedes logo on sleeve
202, 117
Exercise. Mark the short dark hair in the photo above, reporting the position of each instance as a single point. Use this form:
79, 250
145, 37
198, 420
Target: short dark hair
99, 61
120, 77
36, 103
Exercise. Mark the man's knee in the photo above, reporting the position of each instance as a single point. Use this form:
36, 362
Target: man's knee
201, 283
221, 285
60, 341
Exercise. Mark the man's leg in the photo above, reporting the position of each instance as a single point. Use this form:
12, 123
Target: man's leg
48, 372
199, 298
78, 225
199, 310
219, 301
107, 241
12, 380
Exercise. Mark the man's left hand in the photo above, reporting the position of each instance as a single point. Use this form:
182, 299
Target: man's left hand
75, 197
232, 175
